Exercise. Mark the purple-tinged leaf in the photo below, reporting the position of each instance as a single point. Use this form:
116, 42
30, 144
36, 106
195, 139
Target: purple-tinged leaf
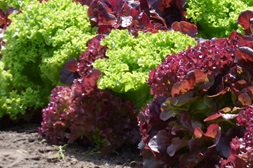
3, 18
167, 11
84, 2
185, 28
211, 57
166, 115
69, 71
94, 51
245, 19
244, 57
159, 142
233, 159
188, 123
144, 15
223, 146
85, 113
192, 79
90, 81
176, 144
244, 53
218, 105
144, 6
201, 154
100, 13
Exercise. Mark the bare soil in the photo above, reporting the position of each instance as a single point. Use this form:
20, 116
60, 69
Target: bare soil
22, 147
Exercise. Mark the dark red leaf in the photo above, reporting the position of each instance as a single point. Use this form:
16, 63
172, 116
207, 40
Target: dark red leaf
94, 51
90, 81
3, 18
144, 6
185, 28
84, 2
167, 11
244, 58
160, 141
244, 53
71, 65
192, 79
245, 19
223, 146
69, 72
165, 115
101, 14
176, 144
188, 122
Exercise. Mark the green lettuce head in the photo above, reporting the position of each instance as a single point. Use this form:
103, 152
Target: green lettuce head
126, 70
216, 18
39, 41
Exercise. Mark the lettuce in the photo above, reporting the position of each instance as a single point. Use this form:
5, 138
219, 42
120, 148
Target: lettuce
201, 115
39, 41
144, 15
12, 102
83, 112
216, 18
130, 59
17, 4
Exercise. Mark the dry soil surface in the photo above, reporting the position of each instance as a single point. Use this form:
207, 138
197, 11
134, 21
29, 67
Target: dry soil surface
22, 147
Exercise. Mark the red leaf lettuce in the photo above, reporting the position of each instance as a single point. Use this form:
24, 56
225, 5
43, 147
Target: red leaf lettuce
197, 117
82, 111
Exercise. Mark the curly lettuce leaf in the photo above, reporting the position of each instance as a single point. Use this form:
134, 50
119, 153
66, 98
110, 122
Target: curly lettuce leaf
18, 4
216, 18
39, 41
130, 59
12, 102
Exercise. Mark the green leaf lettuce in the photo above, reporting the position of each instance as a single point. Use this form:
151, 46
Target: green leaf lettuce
130, 59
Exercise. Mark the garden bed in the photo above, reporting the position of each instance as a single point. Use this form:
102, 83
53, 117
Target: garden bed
171, 77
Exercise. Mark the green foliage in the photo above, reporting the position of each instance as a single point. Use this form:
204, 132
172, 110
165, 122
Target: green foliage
38, 42
130, 59
61, 151
18, 4
216, 18
12, 102
3, 6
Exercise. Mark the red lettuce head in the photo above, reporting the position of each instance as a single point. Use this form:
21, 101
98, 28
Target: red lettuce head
83, 112
143, 15
198, 96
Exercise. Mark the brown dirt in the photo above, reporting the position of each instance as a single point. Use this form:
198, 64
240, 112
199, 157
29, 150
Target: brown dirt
22, 147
